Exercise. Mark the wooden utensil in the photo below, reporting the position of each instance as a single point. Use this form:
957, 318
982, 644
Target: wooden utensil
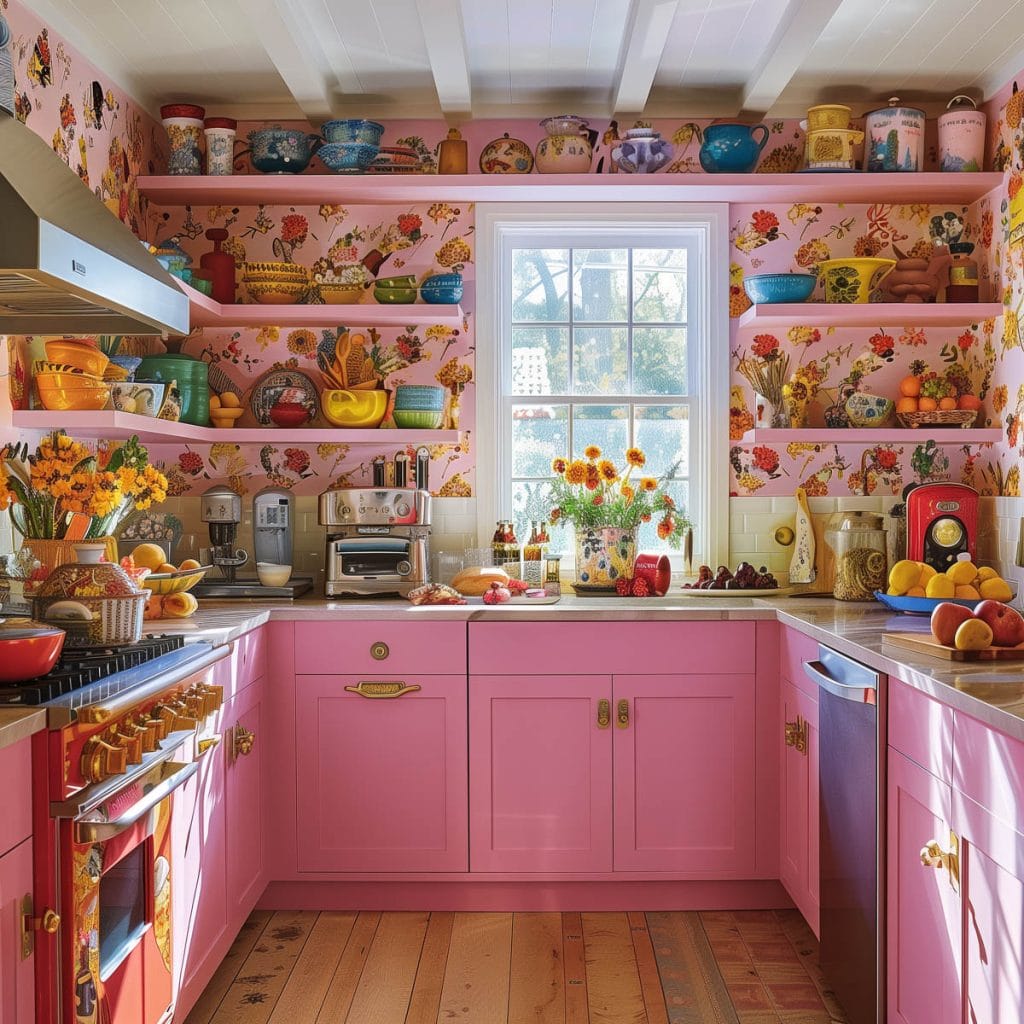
924, 643
342, 350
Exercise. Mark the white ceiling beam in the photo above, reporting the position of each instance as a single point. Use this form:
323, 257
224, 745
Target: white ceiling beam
646, 36
297, 56
445, 39
797, 31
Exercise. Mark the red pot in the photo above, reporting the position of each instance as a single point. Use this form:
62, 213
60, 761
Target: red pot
656, 570
289, 414
183, 110
28, 652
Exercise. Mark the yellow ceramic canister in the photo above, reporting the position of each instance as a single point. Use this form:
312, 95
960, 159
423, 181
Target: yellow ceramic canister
828, 115
833, 148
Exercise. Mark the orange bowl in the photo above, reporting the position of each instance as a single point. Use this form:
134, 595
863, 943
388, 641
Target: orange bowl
62, 399
77, 353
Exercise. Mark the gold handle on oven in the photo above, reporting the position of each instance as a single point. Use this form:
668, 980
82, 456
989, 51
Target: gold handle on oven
622, 718
242, 741
100, 760
382, 689
205, 746
604, 713
30, 924
934, 856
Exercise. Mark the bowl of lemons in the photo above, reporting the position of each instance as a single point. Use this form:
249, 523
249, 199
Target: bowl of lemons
916, 587
225, 408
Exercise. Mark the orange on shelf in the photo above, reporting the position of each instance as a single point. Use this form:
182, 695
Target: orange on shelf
910, 386
906, 404
947, 403
968, 402
926, 404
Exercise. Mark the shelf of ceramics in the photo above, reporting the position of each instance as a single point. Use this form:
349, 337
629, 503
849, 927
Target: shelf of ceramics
118, 426
313, 189
873, 435
205, 312
780, 315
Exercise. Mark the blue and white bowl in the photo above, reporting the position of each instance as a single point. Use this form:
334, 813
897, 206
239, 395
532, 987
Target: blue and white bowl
445, 288
770, 288
419, 397
281, 150
353, 130
347, 157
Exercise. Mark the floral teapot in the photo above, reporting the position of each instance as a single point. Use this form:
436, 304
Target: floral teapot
567, 149
642, 151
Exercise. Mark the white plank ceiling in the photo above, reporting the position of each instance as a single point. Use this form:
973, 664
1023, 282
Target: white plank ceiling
266, 59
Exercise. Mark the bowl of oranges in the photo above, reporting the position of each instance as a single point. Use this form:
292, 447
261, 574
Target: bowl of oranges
935, 399
164, 577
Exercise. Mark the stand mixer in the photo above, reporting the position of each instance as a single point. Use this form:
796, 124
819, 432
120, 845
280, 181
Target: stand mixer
221, 510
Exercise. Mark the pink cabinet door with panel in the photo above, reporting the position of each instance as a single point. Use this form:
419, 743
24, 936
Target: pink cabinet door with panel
684, 774
540, 773
17, 984
992, 890
246, 743
381, 780
798, 825
923, 929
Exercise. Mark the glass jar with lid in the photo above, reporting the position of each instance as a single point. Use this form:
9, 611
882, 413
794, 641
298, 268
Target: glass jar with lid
857, 541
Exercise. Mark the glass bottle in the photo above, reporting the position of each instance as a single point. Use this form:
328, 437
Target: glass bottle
857, 540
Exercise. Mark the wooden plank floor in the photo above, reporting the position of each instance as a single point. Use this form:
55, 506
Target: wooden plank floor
730, 967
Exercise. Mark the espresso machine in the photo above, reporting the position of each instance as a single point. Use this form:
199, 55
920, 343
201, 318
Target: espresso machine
942, 523
273, 516
377, 540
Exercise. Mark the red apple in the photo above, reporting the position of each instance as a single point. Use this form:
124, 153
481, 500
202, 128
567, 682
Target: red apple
946, 619
1006, 623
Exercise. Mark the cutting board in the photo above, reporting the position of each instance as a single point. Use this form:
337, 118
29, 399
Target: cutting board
925, 643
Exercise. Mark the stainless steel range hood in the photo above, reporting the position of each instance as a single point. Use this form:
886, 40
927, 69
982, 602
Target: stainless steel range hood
67, 264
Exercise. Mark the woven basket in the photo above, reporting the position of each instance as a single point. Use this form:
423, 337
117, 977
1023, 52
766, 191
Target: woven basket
939, 418
52, 552
115, 621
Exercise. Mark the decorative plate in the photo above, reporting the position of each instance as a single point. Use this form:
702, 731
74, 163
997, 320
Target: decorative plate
269, 389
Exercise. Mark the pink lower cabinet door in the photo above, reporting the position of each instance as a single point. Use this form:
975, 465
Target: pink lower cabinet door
540, 753
246, 742
798, 804
17, 984
684, 774
992, 890
381, 773
923, 931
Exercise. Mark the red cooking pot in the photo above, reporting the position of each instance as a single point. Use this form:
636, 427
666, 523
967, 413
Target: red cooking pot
28, 651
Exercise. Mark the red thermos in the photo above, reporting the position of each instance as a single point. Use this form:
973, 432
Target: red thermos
221, 266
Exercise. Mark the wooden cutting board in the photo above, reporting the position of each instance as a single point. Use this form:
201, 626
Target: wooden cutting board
925, 643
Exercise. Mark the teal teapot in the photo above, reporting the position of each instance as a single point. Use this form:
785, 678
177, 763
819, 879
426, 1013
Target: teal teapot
730, 147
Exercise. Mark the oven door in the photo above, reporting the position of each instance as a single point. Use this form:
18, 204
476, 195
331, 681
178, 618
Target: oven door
115, 857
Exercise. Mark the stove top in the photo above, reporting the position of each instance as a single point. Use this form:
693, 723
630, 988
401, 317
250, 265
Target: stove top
80, 668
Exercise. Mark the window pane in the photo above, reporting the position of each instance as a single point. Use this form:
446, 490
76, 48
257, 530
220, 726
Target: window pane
647, 538
659, 259
607, 426
599, 285
662, 432
540, 285
531, 500
659, 361
659, 296
539, 434
600, 361
540, 360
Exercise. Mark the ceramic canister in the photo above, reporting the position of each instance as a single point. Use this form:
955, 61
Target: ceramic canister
184, 125
961, 136
220, 144
894, 138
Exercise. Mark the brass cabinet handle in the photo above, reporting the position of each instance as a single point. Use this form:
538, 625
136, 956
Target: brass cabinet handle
604, 713
382, 689
796, 734
30, 924
622, 718
934, 856
205, 746
242, 741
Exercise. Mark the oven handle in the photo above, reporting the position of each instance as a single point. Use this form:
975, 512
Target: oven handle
858, 694
100, 831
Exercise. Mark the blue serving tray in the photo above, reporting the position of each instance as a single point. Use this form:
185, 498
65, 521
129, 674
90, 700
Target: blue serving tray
925, 605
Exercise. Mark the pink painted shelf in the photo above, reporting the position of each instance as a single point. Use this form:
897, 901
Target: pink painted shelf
873, 435
122, 425
205, 312
868, 314
311, 189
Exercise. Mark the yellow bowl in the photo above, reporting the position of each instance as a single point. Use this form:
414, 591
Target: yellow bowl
276, 268
175, 582
354, 408
828, 115
67, 399
853, 279
282, 293
71, 380
340, 295
78, 354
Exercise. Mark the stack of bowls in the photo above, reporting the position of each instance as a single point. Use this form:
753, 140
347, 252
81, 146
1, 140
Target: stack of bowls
419, 406
341, 285
352, 144
78, 353
446, 288
395, 289
831, 142
276, 282
67, 388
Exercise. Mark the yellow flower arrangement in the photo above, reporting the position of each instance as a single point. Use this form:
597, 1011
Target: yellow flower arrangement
591, 494
42, 491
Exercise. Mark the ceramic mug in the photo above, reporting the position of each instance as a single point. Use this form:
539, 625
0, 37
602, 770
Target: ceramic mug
140, 397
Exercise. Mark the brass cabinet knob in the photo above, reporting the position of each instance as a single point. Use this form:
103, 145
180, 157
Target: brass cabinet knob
50, 922
604, 714
934, 856
100, 760
796, 734
242, 741
622, 716
379, 650
130, 744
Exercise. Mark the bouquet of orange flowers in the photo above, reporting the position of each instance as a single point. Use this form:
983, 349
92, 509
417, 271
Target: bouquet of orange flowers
592, 494
43, 490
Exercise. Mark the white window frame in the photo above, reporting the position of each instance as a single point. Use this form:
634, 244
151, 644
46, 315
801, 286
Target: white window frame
498, 224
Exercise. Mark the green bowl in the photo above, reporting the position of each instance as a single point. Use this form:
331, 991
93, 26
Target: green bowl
392, 295
417, 419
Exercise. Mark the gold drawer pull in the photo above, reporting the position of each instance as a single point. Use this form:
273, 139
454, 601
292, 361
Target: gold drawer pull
379, 650
604, 714
623, 715
934, 856
796, 734
382, 690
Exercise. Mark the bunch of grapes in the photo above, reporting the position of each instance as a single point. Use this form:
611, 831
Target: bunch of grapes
746, 577
934, 386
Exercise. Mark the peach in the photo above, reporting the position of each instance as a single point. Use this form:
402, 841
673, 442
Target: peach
946, 619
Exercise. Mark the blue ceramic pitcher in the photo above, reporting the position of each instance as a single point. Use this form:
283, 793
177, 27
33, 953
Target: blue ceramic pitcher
731, 147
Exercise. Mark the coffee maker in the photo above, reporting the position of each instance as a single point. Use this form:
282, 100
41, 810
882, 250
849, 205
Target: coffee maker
942, 523
221, 509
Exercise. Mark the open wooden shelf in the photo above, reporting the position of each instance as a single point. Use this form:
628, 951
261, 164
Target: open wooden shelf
313, 189
118, 426
873, 435
205, 312
868, 314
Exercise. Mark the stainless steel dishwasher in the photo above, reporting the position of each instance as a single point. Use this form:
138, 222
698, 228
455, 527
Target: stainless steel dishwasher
851, 829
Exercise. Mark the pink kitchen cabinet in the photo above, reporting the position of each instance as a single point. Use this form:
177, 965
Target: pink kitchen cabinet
17, 983
381, 771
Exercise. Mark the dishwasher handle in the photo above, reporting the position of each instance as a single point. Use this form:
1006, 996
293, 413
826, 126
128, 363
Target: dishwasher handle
857, 694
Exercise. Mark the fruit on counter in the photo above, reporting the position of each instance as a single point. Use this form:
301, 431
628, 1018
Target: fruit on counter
963, 580
746, 577
966, 592
179, 606
149, 556
962, 572
904, 575
435, 593
188, 565
137, 572
476, 580
153, 609
1006, 623
633, 586
946, 619
497, 594
940, 586
973, 635
995, 589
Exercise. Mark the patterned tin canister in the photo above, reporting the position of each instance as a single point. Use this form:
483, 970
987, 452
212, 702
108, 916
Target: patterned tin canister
894, 138
961, 136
